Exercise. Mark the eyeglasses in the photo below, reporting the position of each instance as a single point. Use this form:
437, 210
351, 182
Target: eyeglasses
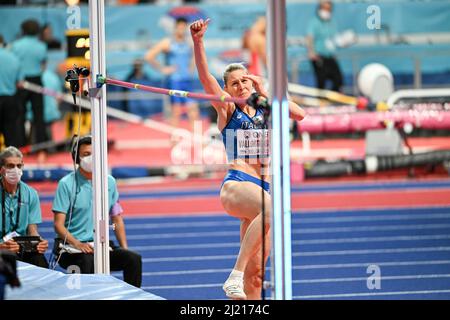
13, 165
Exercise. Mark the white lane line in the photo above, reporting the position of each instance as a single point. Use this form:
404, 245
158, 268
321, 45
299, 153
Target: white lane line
383, 278
295, 222
187, 246
303, 254
295, 242
295, 231
372, 228
304, 220
371, 239
305, 267
369, 251
180, 272
201, 224
214, 285
187, 286
363, 217
195, 258
183, 235
365, 264
350, 295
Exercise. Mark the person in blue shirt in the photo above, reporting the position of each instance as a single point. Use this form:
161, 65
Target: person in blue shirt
74, 225
9, 108
242, 128
321, 32
31, 53
52, 81
178, 67
20, 210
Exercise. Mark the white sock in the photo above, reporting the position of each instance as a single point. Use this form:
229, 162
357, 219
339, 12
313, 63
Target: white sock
236, 274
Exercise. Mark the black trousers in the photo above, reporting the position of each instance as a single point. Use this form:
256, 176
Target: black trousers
327, 68
9, 120
37, 259
120, 259
39, 132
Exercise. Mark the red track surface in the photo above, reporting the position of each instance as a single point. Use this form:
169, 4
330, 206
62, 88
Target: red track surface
136, 145
311, 201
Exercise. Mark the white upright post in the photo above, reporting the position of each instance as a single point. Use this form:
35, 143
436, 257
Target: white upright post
99, 139
281, 258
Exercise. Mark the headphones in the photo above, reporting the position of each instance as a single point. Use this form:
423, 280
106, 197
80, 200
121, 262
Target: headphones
77, 142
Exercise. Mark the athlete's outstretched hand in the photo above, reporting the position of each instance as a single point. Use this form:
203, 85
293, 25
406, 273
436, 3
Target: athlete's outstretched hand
198, 28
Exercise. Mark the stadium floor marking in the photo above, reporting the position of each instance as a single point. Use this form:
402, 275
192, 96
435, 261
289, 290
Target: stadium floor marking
372, 228
371, 239
192, 258
380, 187
384, 278
304, 220
182, 286
294, 231
322, 280
353, 295
177, 273
302, 267
366, 264
223, 271
295, 221
303, 254
369, 251
307, 267
295, 242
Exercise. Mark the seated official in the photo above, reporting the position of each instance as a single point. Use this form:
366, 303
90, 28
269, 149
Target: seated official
20, 210
74, 223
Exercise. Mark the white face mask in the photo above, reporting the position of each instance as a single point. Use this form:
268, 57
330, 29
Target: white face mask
13, 175
86, 163
324, 14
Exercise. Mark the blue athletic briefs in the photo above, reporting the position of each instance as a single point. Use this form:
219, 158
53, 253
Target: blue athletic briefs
237, 175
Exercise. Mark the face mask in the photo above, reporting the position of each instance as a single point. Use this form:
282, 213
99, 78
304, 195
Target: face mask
86, 163
13, 175
324, 14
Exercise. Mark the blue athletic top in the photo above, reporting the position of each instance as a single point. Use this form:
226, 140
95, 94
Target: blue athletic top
180, 55
9, 73
21, 209
242, 136
82, 224
31, 52
323, 33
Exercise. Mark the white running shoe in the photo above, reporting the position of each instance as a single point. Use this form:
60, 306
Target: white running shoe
234, 288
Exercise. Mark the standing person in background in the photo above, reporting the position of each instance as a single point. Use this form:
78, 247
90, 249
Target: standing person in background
32, 53
179, 69
52, 81
140, 107
321, 48
9, 108
47, 37
254, 40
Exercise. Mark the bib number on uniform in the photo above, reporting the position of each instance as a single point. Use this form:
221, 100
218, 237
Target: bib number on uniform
253, 142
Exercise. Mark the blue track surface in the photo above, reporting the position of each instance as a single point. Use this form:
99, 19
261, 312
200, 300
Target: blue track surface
189, 257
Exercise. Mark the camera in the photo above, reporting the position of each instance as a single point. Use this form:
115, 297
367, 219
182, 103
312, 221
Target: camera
73, 77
